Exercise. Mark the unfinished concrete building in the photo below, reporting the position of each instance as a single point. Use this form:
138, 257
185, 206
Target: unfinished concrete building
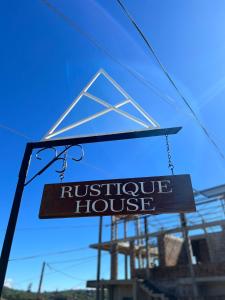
166, 256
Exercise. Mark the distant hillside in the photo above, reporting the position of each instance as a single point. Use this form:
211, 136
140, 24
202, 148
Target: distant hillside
11, 294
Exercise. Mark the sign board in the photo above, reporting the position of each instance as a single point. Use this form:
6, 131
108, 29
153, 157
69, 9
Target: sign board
147, 195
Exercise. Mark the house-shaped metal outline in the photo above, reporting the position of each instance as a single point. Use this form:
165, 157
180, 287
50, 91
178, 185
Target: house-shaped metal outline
149, 122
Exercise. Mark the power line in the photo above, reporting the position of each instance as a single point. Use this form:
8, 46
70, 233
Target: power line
63, 273
135, 74
96, 44
82, 262
14, 131
185, 100
56, 227
72, 260
50, 273
47, 254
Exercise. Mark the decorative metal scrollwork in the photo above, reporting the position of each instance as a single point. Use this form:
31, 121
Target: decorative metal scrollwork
62, 156
43, 149
82, 153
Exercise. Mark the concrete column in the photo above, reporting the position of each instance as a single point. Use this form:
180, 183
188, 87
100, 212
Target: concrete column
114, 254
132, 259
138, 232
147, 248
111, 292
135, 290
161, 250
114, 262
188, 248
102, 293
125, 256
99, 258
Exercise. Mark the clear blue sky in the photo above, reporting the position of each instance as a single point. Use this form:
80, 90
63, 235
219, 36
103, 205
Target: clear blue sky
45, 63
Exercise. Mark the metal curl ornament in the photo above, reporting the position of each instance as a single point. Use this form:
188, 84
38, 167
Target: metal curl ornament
43, 149
65, 161
82, 153
56, 157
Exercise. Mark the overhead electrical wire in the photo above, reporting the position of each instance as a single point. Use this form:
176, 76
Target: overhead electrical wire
56, 227
137, 77
14, 131
48, 254
50, 273
82, 262
184, 98
72, 260
95, 43
135, 74
63, 273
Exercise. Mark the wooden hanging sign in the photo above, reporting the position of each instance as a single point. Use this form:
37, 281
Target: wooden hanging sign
147, 195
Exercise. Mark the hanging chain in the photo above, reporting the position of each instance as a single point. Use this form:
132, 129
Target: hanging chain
65, 163
64, 166
170, 163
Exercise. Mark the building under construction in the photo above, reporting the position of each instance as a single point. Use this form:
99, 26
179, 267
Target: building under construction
176, 256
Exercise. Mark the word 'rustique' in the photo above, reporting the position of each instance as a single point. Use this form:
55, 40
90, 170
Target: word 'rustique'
122, 205
119, 188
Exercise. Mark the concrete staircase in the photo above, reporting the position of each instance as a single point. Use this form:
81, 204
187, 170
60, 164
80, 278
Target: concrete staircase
152, 292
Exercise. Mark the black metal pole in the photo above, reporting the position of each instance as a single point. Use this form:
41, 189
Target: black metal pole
13, 216
51, 143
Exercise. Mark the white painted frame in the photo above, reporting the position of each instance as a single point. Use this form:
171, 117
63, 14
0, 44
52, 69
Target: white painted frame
150, 122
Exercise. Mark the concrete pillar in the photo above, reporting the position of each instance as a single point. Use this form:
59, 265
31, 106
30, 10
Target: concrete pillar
188, 248
135, 290
114, 262
138, 232
125, 256
161, 250
147, 248
132, 259
102, 293
111, 292
114, 254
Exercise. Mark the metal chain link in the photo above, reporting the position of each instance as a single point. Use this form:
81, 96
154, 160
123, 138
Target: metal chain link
64, 167
65, 161
170, 163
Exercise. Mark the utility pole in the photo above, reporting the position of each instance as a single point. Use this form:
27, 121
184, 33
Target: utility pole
40, 281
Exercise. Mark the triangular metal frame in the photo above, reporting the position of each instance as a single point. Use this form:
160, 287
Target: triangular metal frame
150, 123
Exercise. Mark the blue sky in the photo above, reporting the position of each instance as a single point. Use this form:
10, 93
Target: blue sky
45, 63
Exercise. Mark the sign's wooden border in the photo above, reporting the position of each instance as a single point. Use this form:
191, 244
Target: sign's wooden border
144, 195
